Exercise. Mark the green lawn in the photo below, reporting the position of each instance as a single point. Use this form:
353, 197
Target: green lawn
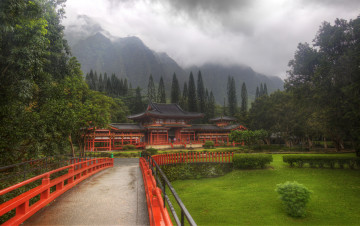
247, 197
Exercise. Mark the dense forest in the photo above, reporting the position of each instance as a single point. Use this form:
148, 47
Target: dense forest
45, 102
322, 92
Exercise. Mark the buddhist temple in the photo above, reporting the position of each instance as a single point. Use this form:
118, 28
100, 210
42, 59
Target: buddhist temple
162, 126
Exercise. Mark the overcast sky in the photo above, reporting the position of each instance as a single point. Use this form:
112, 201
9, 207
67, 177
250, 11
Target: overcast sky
262, 34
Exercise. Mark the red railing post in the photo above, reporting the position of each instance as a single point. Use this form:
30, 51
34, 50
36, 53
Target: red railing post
45, 181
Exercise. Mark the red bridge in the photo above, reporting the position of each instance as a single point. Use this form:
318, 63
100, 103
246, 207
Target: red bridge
123, 194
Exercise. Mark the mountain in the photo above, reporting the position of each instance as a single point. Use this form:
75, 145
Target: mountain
215, 77
130, 58
126, 57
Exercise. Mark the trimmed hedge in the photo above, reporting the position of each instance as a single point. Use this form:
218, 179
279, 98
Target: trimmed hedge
129, 147
184, 171
251, 161
322, 161
209, 144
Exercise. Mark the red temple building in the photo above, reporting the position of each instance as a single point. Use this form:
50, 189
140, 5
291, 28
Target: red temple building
162, 126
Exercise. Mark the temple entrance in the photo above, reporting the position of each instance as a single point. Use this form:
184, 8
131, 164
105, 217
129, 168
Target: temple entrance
174, 135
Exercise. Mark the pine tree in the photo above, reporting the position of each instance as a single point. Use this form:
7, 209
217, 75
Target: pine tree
125, 87
138, 103
224, 107
105, 82
206, 109
257, 95
151, 92
161, 92
244, 98
184, 98
265, 90
175, 90
95, 81
232, 96
192, 100
261, 92
101, 87
108, 87
88, 79
201, 93
211, 106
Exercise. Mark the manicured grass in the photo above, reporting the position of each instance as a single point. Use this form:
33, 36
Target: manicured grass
247, 197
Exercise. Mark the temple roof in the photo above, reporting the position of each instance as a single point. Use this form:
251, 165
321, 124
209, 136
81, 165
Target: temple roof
127, 126
166, 111
211, 127
223, 118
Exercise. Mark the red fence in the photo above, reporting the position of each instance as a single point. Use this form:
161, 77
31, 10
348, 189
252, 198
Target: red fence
158, 214
77, 172
194, 157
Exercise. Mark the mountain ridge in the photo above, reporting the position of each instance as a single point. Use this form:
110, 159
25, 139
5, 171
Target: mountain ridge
129, 57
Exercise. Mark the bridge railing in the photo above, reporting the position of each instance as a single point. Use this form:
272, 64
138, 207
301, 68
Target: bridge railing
48, 186
194, 157
162, 183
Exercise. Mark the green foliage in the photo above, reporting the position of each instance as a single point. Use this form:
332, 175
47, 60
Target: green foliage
244, 98
151, 91
150, 151
249, 137
201, 93
191, 97
251, 161
295, 196
128, 147
184, 171
161, 97
175, 90
231, 96
322, 161
209, 144
44, 100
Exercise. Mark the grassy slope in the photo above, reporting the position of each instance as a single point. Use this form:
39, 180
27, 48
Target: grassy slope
247, 197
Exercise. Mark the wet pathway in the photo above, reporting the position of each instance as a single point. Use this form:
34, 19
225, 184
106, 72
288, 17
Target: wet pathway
114, 196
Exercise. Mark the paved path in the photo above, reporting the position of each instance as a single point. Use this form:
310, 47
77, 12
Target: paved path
114, 196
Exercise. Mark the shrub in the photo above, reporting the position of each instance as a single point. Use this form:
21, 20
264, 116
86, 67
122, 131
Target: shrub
322, 161
209, 144
250, 161
128, 147
294, 196
150, 151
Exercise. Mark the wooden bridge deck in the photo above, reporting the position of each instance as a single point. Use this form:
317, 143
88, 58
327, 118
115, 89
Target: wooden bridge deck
114, 196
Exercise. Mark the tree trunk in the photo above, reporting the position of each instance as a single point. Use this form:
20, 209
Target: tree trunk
267, 141
310, 143
325, 144
72, 146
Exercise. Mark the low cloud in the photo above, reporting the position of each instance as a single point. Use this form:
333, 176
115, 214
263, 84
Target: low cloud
260, 33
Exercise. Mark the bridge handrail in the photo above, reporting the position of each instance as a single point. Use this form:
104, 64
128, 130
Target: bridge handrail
78, 171
184, 212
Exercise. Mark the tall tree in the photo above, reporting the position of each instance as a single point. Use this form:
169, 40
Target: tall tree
100, 87
257, 94
265, 90
261, 91
201, 93
161, 92
151, 92
184, 97
138, 102
231, 93
211, 105
175, 90
244, 98
192, 99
